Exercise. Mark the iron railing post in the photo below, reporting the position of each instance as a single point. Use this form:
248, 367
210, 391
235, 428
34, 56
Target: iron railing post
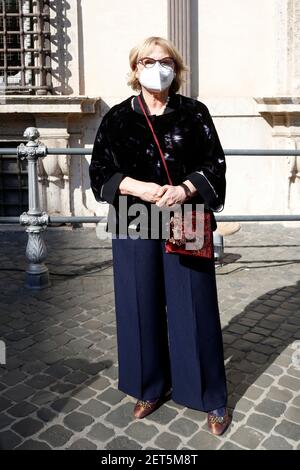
36, 221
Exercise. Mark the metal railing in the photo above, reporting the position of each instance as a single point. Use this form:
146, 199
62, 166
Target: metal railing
36, 221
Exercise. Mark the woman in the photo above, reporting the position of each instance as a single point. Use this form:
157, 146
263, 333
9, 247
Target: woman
168, 325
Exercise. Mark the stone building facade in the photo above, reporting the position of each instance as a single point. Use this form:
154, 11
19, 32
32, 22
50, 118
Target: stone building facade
71, 66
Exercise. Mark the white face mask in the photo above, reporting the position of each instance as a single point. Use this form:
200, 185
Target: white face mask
156, 78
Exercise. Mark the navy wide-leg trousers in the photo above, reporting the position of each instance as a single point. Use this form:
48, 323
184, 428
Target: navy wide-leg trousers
168, 325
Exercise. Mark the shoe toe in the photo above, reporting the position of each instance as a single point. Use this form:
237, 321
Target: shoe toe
143, 408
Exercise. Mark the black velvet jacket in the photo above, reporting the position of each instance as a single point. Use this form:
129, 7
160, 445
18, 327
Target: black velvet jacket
124, 146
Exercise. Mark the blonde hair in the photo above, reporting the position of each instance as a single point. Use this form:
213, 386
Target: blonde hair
144, 48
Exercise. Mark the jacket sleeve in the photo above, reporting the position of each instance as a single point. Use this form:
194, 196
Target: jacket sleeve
104, 170
209, 177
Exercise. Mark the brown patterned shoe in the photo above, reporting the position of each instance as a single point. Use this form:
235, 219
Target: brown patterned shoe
144, 408
218, 424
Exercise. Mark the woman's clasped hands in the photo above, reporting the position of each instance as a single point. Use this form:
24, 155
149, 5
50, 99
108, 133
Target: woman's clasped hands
163, 196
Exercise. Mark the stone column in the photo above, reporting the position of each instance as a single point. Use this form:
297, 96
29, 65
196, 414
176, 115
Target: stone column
287, 71
179, 32
54, 174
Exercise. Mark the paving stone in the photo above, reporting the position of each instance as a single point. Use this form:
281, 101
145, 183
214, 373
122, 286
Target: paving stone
58, 371
52, 357
167, 441
264, 349
5, 421
77, 421
123, 443
99, 432
94, 408
183, 427
47, 346
244, 405
293, 414
45, 414
31, 444
294, 372
24, 343
172, 404
9, 440
163, 415
100, 384
40, 381
13, 378
27, 427
230, 446
43, 397
261, 331
279, 394
74, 363
289, 382
19, 392
288, 430
63, 388
264, 381
253, 337
283, 361
93, 368
196, 415
84, 394
111, 396
22, 409
276, 443
121, 416
239, 329
257, 358
76, 378
261, 422
33, 367
79, 345
111, 372
141, 431
296, 401
274, 370
65, 405
78, 331
253, 392
4, 404
247, 437
203, 440
83, 444
56, 436
271, 408
237, 416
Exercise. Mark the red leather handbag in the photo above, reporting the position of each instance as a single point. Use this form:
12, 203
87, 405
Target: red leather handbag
184, 229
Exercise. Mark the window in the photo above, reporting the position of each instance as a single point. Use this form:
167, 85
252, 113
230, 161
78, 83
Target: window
13, 183
25, 47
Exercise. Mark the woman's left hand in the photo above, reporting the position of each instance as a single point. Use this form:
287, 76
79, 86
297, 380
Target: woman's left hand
172, 195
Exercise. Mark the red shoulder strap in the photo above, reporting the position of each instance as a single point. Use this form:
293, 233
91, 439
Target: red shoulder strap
156, 140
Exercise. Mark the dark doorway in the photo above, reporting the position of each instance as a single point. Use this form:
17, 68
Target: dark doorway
13, 183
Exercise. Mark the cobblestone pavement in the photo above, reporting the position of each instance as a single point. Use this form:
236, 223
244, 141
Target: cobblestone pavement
59, 387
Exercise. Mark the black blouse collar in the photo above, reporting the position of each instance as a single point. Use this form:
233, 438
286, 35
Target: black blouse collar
172, 105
